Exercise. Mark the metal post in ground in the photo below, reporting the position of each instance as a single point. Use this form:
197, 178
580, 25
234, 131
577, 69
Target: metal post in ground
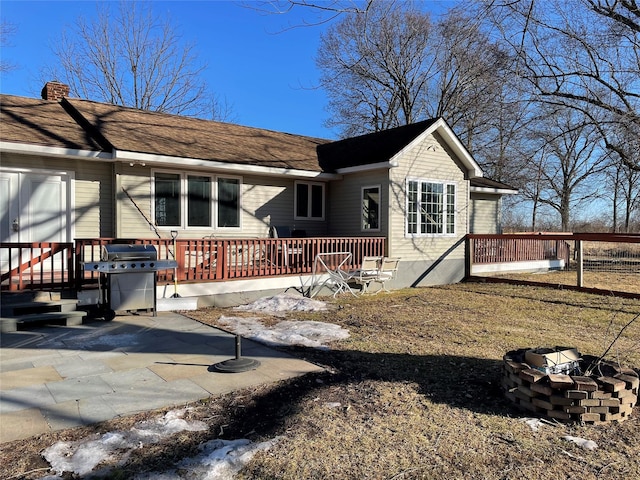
237, 364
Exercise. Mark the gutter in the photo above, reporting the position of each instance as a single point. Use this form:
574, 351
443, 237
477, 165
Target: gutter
371, 166
497, 191
196, 163
26, 148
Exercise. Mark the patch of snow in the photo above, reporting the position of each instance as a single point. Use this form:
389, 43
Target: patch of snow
284, 302
82, 456
581, 442
536, 423
305, 333
218, 460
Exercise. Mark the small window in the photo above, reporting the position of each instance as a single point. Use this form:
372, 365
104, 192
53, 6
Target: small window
228, 202
309, 201
199, 201
431, 208
371, 208
167, 200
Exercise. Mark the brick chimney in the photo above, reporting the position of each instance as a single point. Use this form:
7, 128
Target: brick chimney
55, 90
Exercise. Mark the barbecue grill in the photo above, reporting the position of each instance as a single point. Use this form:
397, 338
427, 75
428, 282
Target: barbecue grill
130, 274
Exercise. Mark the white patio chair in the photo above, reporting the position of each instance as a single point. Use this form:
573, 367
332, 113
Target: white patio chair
368, 272
387, 272
330, 269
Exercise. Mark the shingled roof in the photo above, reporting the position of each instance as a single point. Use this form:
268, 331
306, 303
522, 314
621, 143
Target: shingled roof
155, 133
482, 182
370, 148
93, 126
41, 122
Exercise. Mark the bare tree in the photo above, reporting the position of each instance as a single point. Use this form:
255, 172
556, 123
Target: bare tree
7, 29
132, 58
393, 65
623, 183
324, 11
375, 67
582, 54
571, 157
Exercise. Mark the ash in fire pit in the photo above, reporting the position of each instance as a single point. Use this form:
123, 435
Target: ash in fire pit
550, 382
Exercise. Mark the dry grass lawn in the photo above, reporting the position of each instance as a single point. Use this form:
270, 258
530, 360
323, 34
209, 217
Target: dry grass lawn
413, 393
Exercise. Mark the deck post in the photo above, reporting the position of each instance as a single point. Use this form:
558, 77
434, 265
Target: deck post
468, 254
579, 266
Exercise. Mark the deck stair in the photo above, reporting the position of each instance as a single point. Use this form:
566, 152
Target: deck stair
21, 311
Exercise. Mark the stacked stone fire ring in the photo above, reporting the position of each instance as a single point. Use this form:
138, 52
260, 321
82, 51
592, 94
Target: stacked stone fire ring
608, 394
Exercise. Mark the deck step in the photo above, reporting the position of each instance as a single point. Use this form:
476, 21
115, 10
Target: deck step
13, 324
13, 309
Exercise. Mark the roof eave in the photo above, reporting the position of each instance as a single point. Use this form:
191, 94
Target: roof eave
32, 149
365, 168
495, 191
236, 168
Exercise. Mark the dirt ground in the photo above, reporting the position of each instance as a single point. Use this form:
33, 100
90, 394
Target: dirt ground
413, 393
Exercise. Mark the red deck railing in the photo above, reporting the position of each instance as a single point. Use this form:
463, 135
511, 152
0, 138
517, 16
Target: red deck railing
519, 248
57, 266
36, 266
216, 259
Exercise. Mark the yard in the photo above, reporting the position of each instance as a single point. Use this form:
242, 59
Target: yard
413, 393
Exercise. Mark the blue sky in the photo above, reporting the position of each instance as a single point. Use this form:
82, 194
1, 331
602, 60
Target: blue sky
265, 70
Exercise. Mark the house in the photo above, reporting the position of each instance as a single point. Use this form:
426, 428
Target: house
78, 169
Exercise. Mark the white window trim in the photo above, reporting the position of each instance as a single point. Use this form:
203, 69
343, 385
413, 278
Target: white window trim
184, 183
444, 184
362, 189
295, 201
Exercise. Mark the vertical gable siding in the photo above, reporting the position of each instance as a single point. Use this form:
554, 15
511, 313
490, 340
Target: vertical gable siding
429, 160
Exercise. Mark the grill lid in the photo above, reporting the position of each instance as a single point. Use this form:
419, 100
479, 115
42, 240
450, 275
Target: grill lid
114, 251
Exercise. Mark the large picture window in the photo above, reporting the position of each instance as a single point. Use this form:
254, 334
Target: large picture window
370, 208
309, 201
185, 201
431, 208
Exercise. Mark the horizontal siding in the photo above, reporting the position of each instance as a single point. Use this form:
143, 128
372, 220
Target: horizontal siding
428, 160
345, 203
485, 211
94, 200
93, 195
265, 202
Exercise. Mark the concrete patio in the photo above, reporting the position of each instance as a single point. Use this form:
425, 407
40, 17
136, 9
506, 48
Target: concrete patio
54, 378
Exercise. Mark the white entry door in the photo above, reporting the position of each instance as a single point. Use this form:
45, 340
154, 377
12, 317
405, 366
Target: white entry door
9, 207
34, 207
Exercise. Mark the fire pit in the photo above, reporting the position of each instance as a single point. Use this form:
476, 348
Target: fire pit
550, 382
